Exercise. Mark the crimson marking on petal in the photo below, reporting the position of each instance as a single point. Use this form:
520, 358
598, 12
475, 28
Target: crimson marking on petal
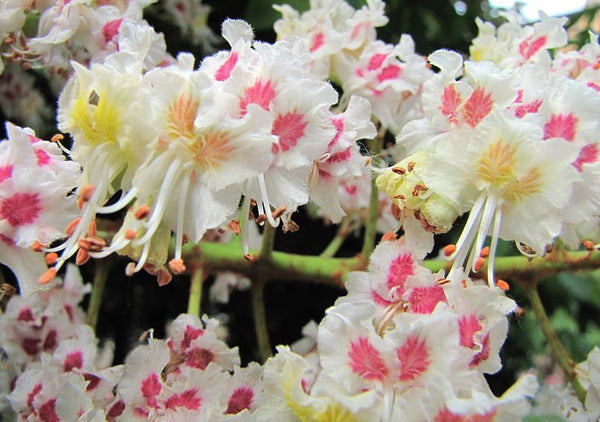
51, 341
150, 388
224, 72
69, 310
414, 358
587, 155
43, 158
379, 300
484, 417
483, 354
477, 106
423, 300
111, 29
561, 126
531, 107
594, 86
93, 381
359, 27
351, 189
191, 333
528, 48
240, 399
33, 393
199, 357
5, 172
289, 128
47, 412
317, 42
366, 361
468, 325
338, 123
401, 267
341, 156
391, 71
186, 399
450, 102
376, 61
261, 93
21, 208
25, 314
73, 360
116, 409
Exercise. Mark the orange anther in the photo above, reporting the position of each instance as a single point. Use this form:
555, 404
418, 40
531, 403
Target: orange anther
449, 249
395, 209
177, 266
367, 161
589, 245
51, 258
279, 211
389, 235
418, 188
479, 264
130, 269
400, 196
142, 212
72, 226
234, 226
261, 218
92, 229
250, 257
130, 234
411, 165
82, 257
485, 252
85, 194
184, 239
399, 170
57, 138
37, 246
502, 285
442, 281
163, 277
464, 283
48, 276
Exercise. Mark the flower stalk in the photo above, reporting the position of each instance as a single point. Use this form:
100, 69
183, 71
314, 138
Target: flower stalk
100, 276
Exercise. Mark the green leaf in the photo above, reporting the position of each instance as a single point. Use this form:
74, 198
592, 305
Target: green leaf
543, 418
261, 15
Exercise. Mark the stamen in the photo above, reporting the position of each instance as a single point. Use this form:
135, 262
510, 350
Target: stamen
411, 165
142, 212
418, 188
82, 257
493, 245
279, 211
72, 226
249, 257
485, 252
163, 277
92, 228
399, 170
177, 266
130, 234
449, 249
502, 285
443, 282
143, 257
120, 204
37, 246
180, 216
129, 269
265, 200
367, 161
489, 212
85, 195
261, 218
589, 245
48, 276
51, 258
479, 264
57, 138
234, 226
389, 236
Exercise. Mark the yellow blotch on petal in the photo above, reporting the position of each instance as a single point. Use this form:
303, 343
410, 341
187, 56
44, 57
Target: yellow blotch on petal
100, 122
181, 116
211, 148
496, 164
526, 186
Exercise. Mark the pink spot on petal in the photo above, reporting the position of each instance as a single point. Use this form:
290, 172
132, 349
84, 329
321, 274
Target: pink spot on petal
485, 417
338, 123
483, 354
531, 107
73, 360
50, 342
261, 93
594, 86
317, 42
43, 158
5, 172
191, 333
341, 156
379, 300
450, 102
468, 325
289, 128
111, 29
376, 61
240, 399
423, 300
31, 396
47, 412
116, 410
20, 208
477, 107
414, 358
366, 361
69, 310
446, 415
391, 71
400, 269
351, 190
362, 26
188, 399
561, 126
199, 357
30, 346
93, 381
150, 388
587, 155
528, 48
224, 72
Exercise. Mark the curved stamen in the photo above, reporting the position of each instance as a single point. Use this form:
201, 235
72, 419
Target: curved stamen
265, 200
493, 244
489, 212
143, 256
185, 183
245, 224
114, 247
123, 201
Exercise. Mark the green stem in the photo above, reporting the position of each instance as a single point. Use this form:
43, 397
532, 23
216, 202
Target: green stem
100, 275
375, 146
558, 351
196, 291
268, 241
336, 243
260, 321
